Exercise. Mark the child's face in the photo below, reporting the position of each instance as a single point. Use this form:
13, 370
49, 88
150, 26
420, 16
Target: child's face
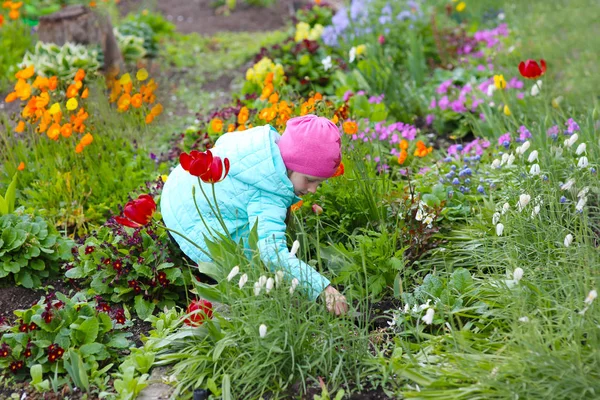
304, 183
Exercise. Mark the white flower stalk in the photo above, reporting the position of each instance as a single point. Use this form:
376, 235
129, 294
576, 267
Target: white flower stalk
518, 274
568, 240
499, 229
278, 278
262, 281
511, 160
558, 151
567, 185
496, 218
352, 54
496, 164
523, 148
571, 141
535, 212
232, 274
294, 285
533, 156
294, 249
428, 317
535, 89
583, 162
524, 319
505, 208
504, 158
327, 63
262, 330
523, 201
592, 295
534, 170
580, 204
269, 285
581, 149
583, 192
243, 280
257, 288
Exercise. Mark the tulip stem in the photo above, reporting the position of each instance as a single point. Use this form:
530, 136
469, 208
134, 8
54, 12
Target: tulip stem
186, 238
216, 213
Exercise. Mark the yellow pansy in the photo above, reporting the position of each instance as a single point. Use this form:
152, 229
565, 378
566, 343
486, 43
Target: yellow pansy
72, 104
55, 108
142, 74
460, 7
125, 79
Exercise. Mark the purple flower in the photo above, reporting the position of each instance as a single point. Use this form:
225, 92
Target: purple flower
515, 83
443, 103
553, 131
524, 133
433, 103
458, 106
443, 88
348, 94
504, 140
572, 127
429, 119
475, 104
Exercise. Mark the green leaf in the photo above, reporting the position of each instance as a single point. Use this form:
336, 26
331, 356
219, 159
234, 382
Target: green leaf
91, 327
461, 280
143, 308
431, 200
24, 279
226, 387
119, 341
91, 348
7, 203
75, 273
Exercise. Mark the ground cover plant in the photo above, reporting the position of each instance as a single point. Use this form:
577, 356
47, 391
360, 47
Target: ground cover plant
462, 226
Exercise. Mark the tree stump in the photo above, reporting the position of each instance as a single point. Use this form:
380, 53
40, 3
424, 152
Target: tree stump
79, 24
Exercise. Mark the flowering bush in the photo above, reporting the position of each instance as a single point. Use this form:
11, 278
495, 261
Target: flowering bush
64, 340
135, 96
138, 267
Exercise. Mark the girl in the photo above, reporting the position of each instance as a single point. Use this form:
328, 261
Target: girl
268, 173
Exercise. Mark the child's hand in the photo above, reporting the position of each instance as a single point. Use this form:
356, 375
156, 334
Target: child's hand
335, 301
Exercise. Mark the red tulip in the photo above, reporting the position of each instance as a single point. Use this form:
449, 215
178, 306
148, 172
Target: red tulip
199, 310
196, 163
340, 170
531, 70
138, 212
215, 172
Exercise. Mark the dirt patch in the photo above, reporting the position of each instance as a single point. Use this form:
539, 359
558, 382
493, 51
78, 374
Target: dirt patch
199, 16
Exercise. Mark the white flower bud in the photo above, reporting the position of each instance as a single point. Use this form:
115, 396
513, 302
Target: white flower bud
580, 149
243, 280
262, 330
428, 317
568, 240
535, 169
567, 185
234, 271
533, 156
294, 249
269, 285
499, 229
294, 284
518, 274
278, 278
495, 218
592, 295
496, 163
583, 162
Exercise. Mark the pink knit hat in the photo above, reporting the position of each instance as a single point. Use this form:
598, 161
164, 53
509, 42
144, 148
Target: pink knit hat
311, 145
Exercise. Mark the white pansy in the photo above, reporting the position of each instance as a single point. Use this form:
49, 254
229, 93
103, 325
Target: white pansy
568, 240
428, 317
327, 63
581, 149
428, 220
496, 163
535, 169
495, 218
278, 278
294, 249
535, 89
243, 280
518, 274
592, 295
262, 330
583, 162
294, 284
567, 185
232, 274
269, 285
499, 229
419, 215
533, 156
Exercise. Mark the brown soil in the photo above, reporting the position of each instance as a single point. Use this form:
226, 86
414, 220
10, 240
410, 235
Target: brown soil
201, 17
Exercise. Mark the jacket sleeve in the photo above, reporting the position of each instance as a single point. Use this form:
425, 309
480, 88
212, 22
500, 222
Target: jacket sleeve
273, 247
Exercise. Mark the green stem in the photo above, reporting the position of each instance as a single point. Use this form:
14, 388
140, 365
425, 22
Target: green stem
185, 237
217, 214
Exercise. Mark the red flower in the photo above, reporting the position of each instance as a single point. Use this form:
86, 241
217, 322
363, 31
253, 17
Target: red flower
47, 316
16, 365
4, 350
23, 327
119, 316
55, 352
531, 70
215, 172
196, 163
138, 212
199, 310
89, 249
340, 170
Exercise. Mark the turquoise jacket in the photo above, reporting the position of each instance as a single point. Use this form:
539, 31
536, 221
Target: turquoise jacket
256, 189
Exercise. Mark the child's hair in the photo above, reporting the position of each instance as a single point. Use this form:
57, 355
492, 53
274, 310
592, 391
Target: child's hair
311, 145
